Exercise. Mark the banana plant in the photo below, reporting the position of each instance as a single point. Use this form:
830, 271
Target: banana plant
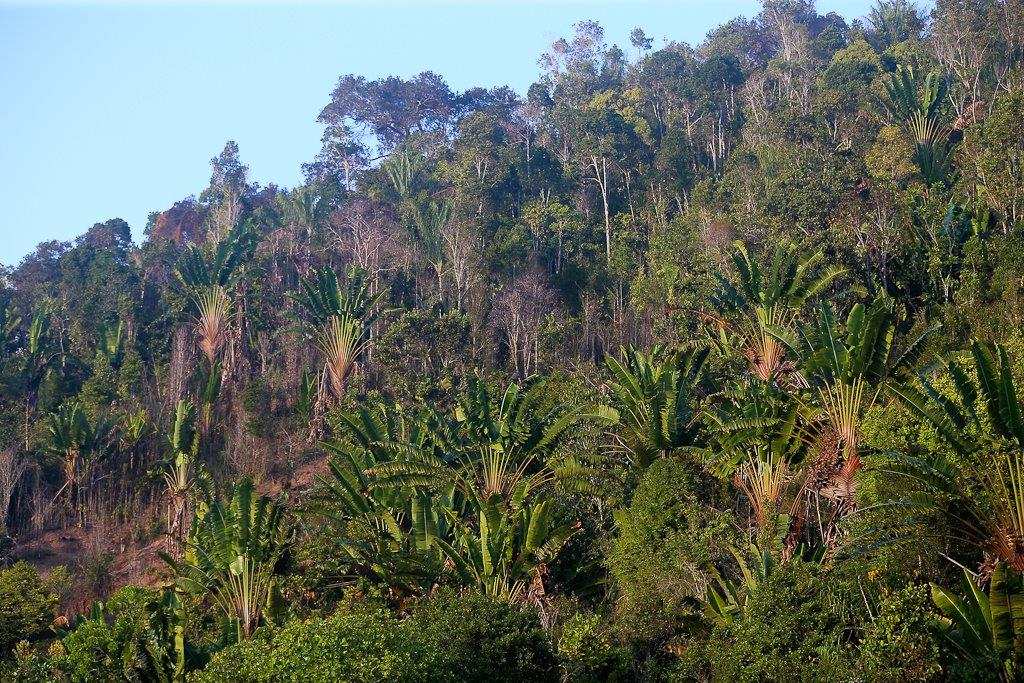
725, 600
339, 318
166, 650
232, 555
987, 628
978, 496
653, 401
210, 281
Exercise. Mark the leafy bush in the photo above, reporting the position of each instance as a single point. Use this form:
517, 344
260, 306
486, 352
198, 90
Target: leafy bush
667, 537
107, 646
481, 637
26, 606
788, 632
900, 643
587, 654
357, 647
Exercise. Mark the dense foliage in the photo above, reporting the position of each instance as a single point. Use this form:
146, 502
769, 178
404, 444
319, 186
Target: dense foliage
692, 363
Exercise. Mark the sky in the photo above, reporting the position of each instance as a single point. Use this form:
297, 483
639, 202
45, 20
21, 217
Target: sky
114, 110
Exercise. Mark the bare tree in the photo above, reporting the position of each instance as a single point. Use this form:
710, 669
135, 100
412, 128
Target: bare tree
457, 241
519, 309
12, 466
367, 232
962, 42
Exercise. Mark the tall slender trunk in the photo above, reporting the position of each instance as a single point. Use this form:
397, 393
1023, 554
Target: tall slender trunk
601, 178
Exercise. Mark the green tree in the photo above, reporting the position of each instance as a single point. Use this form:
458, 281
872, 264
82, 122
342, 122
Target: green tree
26, 606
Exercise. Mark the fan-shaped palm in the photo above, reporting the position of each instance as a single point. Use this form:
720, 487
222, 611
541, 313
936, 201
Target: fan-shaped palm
209, 281
654, 396
339, 319
464, 490
979, 499
846, 366
769, 300
921, 117
80, 444
500, 549
390, 530
232, 554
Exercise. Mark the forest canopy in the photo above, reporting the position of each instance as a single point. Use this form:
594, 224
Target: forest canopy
696, 362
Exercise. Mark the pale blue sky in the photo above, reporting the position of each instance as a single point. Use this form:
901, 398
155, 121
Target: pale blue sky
110, 110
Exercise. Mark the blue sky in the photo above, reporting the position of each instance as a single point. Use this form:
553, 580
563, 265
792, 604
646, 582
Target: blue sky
114, 110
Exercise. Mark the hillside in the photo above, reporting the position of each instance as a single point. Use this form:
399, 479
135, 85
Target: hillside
690, 363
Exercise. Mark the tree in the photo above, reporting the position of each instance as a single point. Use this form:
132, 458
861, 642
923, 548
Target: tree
26, 606
519, 309
391, 108
12, 466
228, 187
994, 160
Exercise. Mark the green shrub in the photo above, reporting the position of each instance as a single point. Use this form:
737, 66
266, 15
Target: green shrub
900, 644
788, 632
26, 606
587, 653
483, 639
108, 646
667, 537
356, 647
